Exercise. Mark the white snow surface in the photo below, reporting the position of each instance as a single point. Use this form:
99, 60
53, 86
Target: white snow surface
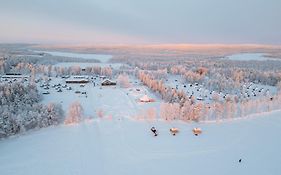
125, 147
112, 100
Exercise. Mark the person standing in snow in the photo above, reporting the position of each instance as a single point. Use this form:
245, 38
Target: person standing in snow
153, 129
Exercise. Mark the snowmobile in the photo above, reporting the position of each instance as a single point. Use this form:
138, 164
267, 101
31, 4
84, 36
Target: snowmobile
174, 131
197, 131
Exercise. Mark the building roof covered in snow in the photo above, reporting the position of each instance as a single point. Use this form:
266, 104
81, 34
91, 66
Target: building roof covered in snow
15, 76
77, 79
80, 77
73, 80
108, 82
145, 98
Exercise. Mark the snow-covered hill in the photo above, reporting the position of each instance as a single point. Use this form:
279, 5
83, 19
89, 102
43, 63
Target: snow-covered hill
127, 147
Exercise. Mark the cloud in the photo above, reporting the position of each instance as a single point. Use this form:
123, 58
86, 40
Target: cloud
59, 32
139, 21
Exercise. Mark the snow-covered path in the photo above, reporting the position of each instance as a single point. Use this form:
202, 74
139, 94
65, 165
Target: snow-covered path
127, 147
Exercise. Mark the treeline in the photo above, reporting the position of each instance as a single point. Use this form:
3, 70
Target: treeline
216, 74
77, 70
50, 70
20, 110
167, 93
215, 111
12, 60
178, 107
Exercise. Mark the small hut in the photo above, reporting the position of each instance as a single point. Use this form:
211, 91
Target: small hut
108, 82
146, 99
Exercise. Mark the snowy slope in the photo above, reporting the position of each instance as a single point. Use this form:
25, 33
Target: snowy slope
127, 147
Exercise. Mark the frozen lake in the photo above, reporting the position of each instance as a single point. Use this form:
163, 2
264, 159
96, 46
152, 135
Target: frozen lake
249, 57
102, 58
84, 65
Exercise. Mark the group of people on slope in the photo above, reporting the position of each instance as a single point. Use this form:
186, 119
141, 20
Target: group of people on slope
174, 131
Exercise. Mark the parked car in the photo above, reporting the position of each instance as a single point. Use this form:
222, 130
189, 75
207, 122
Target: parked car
46, 92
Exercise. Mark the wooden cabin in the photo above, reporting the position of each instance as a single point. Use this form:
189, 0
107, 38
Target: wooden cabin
146, 99
108, 82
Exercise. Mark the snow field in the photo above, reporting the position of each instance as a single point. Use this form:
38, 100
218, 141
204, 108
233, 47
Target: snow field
128, 147
112, 100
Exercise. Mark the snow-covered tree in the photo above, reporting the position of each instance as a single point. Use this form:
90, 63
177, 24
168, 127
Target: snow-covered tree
20, 110
100, 113
279, 87
151, 114
170, 111
75, 113
123, 81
